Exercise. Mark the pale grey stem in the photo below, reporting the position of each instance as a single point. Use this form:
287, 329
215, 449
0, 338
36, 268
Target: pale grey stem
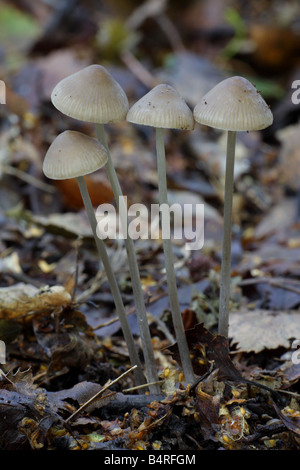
227, 233
139, 377
169, 264
149, 358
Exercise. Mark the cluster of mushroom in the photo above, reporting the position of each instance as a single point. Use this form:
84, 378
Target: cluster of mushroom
93, 95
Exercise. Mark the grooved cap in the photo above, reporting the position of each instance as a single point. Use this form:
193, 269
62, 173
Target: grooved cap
162, 107
234, 104
91, 95
73, 154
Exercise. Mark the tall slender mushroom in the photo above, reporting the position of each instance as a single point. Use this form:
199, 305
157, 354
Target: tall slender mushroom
93, 95
73, 155
164, 108
232, 105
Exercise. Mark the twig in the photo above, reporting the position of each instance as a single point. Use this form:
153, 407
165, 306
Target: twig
113, 320
170, 31
95, 285
148, 9
280, 283
132, 389
10, 170
265, 430
123, 402
138, 69
97, 395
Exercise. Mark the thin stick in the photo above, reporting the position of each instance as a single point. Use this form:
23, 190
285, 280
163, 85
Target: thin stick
112, 282
169, 263
150, 364
97, 395
227, 231
277, 282
32, 180
133, 389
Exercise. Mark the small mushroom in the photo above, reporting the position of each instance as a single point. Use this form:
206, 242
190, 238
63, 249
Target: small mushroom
232, 105
93, 95
73, 155
164, 108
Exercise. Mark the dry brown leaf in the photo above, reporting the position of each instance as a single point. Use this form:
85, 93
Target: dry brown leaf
98, 187
23, 299
263, 329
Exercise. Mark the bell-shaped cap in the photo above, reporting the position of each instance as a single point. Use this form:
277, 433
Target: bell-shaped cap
91, 95
235, 105
73, 154
162, 107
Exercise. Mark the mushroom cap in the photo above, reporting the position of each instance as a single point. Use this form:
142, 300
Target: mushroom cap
73, 154
234, 104
162, 107
91, 95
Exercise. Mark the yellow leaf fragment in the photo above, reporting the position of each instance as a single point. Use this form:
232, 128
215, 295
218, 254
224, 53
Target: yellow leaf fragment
46, 267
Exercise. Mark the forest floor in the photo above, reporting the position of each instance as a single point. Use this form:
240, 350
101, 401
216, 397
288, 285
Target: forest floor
65, 378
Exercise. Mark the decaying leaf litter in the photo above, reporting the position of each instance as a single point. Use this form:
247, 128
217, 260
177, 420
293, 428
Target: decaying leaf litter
63, 340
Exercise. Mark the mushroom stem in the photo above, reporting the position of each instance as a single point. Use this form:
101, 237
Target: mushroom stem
150, 363
169, 263
227, 231
139, 377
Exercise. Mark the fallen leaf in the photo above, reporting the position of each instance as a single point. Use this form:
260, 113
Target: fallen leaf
263, 329
64, 342
289, 373
26, 415
98, 187
207, 348
208, 406
22, 299
266, 53
290, 418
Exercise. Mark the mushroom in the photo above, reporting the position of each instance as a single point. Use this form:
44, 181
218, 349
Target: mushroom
93, 95
162, 107
73, 155
232, 105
